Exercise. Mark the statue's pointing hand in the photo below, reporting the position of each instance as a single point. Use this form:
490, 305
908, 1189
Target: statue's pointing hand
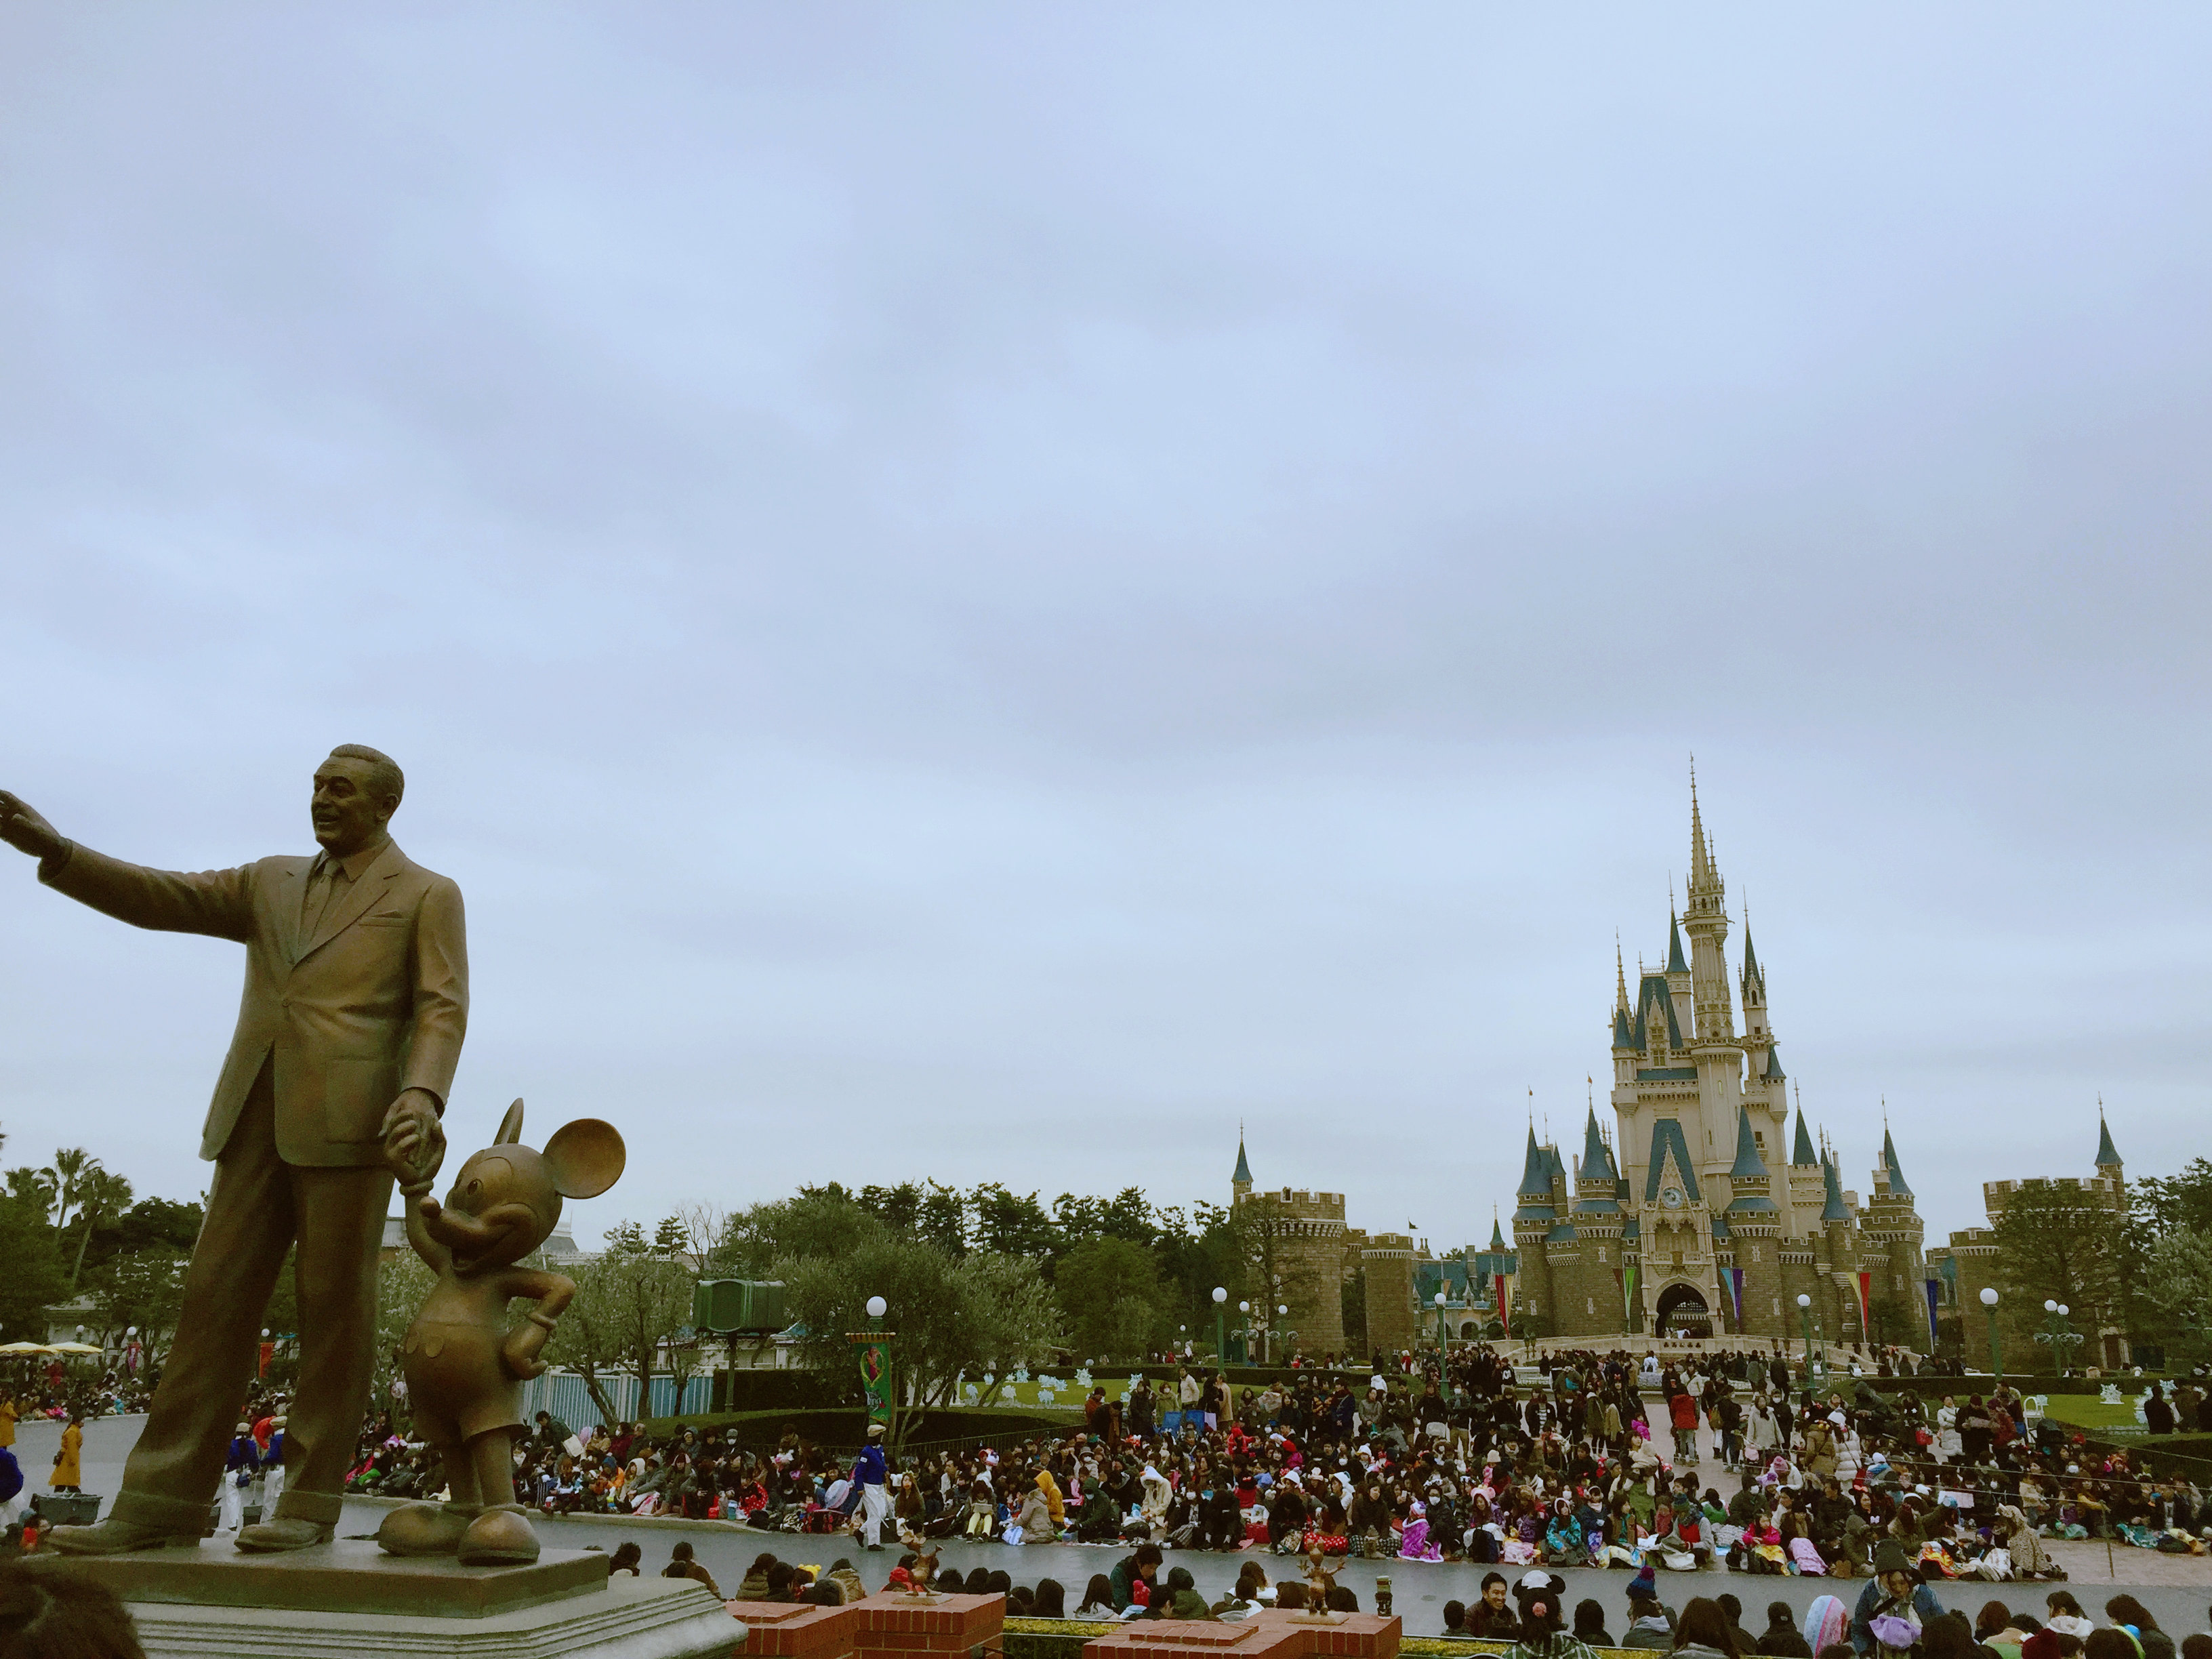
23, 829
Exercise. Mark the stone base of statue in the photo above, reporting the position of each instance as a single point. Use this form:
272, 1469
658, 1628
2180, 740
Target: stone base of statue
348, 1599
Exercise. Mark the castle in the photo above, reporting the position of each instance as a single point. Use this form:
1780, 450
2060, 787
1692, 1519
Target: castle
1700, 1224
1963, 1268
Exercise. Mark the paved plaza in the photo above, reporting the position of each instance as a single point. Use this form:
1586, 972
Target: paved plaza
2177, 1590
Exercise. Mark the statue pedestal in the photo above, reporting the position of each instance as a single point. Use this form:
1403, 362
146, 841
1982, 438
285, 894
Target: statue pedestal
348, 1599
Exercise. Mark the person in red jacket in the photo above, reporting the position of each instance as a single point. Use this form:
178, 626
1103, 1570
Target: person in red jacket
1684, 1410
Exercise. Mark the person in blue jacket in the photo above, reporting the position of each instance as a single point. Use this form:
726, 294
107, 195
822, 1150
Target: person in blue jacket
11, 1489
239, 1467
874, 1506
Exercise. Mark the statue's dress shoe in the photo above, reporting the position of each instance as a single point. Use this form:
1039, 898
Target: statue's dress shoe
500, 1537
285, 1533
426, 1529
113, 1537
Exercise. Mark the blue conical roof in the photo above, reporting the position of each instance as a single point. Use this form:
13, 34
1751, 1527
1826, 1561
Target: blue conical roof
1773, 1073
1243, 1175
1535, 1171
1897, 1185
1597, 1157
1748, 1163
1676, 965
1832, 1183
2106, 1153
1802, 1155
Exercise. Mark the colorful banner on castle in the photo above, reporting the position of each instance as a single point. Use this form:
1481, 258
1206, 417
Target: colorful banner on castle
1736, 1294
1866, 1284
1934, 1294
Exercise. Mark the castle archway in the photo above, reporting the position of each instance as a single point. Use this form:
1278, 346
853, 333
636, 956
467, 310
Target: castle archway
1682, 1312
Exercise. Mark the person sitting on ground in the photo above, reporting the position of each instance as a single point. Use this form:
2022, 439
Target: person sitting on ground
1650, 1621
1245, 1598
1492, 1617
1782, 1639
1133, 1576
1098, 1601
1050, 1600
1732, 1608
1454, 1617
755, 1587
681, 1565
1589, 1623
1342, 1598
627, 1558
1703, 1632
1543, 1620
62, 1613
1020, 1602
1290, 1595
2130, 1615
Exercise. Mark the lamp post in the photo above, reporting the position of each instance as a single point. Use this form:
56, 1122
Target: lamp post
1220, 1329
1996, 1342
1815, 1372
1443, 1349
2058, 1335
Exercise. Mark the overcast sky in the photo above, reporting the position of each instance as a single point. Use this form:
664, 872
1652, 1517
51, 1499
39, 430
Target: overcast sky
984, 592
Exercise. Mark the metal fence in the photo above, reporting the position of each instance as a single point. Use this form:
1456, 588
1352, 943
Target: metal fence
563, 1393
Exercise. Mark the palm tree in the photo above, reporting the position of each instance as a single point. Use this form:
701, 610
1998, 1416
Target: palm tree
70, 1168
103, 1194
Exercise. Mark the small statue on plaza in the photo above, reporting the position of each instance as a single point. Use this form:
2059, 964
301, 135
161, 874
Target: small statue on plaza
464, 1367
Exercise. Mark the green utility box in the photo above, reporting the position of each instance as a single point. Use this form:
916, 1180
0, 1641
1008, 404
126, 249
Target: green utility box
738, 1304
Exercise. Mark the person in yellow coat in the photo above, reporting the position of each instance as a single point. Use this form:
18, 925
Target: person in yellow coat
6, 1419
69, 1471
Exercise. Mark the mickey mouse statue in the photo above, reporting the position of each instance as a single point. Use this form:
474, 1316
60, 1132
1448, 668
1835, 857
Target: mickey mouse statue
464, 1368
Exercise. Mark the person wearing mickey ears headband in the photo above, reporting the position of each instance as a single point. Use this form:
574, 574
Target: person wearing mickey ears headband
1543, 1620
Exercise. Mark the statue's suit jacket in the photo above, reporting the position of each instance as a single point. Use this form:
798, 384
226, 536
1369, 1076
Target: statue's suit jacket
374, 1002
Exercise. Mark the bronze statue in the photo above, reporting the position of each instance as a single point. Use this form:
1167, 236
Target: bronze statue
356, 998
464, 1367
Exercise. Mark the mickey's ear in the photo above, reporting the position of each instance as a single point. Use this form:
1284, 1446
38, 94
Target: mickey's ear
584, 1158
510, 1126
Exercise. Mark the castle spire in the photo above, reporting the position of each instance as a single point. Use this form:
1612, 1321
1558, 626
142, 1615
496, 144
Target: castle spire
1242, 1181
1620, 976
1801, 1154
1748, 1164
1832, 1185
1676, 964
1701, 863
2108, 1155
1897, 1186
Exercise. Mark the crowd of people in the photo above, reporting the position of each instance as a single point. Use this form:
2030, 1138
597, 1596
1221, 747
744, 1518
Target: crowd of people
1726, 1459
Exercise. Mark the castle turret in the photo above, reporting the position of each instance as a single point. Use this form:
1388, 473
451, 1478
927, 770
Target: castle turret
2108, 1155
1240, 1182
1705, 914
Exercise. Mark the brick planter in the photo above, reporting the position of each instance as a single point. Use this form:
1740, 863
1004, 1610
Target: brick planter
891, 1623
797, 1629
1263, 1636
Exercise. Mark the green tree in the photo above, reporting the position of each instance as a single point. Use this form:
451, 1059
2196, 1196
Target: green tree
1012, 1224
67, 1175
33, 1278
100, 1195
1110, 1291
645, 1299
982, 1312
2175, 1203
404, 1283
2178, 1287
2061, 1244
145, 1291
